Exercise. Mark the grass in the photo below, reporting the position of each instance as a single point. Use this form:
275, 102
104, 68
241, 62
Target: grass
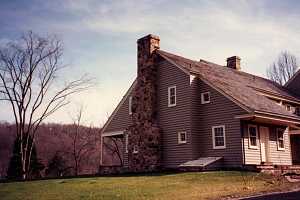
201, 185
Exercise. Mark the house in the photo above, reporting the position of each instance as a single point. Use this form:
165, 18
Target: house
185, 113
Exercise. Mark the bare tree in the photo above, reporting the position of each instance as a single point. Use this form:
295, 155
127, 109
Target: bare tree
113, 146
283, 69
83, 141
28, 69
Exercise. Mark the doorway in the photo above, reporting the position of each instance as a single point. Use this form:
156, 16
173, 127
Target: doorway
264, 144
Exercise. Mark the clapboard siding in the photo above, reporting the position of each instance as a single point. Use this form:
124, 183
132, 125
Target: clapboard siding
252, 156
121, 119
174, 119
220, 111
280, 157
277, 157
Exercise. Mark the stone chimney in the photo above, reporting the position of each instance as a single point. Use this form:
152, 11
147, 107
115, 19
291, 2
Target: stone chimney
145, 48
234, 62
144, 133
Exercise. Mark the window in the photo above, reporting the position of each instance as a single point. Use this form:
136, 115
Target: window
280, 139
126, 143
205, 97
252, 131
181, 137
172, 96
218, 136
288, 107
130, 105
135, 149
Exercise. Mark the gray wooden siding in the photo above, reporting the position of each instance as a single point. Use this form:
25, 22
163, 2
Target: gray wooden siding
121, 119
174, 119
220, 111
277, 157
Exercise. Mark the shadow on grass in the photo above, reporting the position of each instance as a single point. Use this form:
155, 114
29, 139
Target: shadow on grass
125, 174
149, 174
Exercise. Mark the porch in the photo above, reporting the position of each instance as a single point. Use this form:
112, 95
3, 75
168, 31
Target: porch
271, 142
113, 150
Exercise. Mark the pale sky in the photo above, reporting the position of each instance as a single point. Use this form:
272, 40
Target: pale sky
100, 38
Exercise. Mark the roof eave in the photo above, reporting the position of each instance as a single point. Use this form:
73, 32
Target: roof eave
288, 120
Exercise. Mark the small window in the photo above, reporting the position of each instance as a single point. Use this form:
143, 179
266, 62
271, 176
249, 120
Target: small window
172, 96
205, 97
126, 143
130, 105
288, 107
181, 137
135, 149
280, 139
218, 135
252, 131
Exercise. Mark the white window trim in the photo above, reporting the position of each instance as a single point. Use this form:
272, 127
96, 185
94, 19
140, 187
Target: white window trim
291, 107
169, 96
130, 105
179, 137
213, 137
279, 148
202, 98
249, 140
126, 143
135, 149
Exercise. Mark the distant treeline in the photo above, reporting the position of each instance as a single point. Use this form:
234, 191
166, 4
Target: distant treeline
63, 149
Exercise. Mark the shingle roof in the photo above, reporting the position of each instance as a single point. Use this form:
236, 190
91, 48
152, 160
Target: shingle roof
244, 88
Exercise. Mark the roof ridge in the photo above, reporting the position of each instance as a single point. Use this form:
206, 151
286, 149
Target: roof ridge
234, 70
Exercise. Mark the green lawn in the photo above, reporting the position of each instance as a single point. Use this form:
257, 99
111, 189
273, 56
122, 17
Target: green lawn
201, 185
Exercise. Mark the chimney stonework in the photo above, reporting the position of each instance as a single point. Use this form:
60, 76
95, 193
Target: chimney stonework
144, 133
234, 62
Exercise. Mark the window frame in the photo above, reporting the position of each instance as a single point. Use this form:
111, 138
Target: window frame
256, 136
130, 105
169, 96
203, 99
179, 137
214, 136
135, 149
277, 139
289, 106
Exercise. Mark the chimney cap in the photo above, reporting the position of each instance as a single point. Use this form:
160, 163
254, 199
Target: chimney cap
149, 36
233, 58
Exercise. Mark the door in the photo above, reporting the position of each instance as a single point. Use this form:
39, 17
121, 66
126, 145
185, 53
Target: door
264, 142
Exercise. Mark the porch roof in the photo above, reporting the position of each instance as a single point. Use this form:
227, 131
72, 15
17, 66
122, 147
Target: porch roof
270, 118
111, 134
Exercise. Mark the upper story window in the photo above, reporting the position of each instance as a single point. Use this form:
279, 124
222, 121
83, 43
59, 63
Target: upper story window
280, 139
288, 107
218, 136
171, 96
253, 136
130, 105
182, 137
205, 97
